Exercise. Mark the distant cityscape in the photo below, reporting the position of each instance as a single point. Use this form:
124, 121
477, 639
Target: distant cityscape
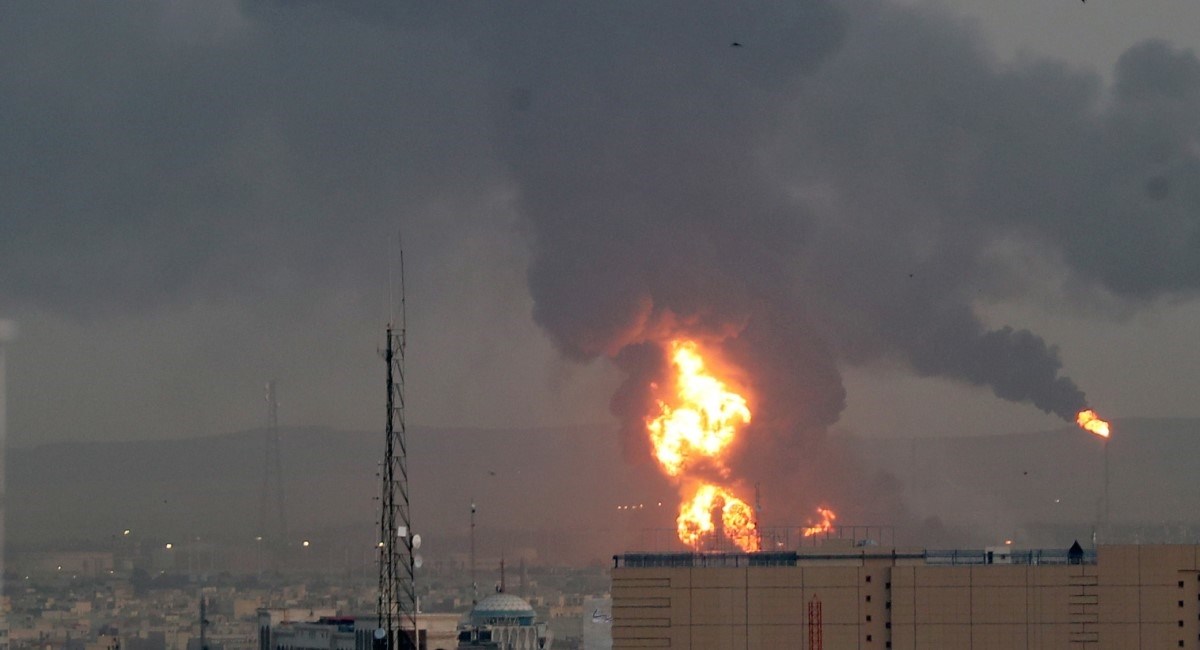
146, 596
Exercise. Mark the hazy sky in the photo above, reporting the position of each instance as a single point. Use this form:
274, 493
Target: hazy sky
196, 197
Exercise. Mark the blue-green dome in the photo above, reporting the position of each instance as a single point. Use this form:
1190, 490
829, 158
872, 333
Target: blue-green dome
502, 608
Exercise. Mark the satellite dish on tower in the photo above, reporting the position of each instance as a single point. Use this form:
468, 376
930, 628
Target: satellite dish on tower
380, 633
416, 542
418, 561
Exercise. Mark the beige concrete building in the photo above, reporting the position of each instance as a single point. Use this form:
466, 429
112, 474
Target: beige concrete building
1116, 598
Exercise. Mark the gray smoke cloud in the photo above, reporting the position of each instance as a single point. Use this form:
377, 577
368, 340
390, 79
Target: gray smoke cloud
159, 154
815, 185
807, 185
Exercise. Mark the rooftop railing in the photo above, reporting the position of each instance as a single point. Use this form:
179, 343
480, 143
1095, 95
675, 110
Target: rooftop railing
792, 558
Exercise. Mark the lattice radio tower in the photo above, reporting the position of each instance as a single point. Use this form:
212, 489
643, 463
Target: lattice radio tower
272, 518
397, 608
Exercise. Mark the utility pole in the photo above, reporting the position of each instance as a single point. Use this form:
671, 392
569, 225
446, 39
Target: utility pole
474, 583
758, 513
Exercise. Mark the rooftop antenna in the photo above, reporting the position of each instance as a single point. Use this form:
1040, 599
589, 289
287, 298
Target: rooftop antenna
501, 589
397, 605
521, 575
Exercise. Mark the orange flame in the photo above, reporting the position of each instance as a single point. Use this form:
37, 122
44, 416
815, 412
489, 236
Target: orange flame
1092, 422
737, 518
698, 418
826, 524
705, 415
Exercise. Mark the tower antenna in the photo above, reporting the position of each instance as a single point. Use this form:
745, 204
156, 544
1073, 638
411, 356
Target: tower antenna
397, 605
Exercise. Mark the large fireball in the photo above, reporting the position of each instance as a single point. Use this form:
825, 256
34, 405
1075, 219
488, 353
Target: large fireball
701, 418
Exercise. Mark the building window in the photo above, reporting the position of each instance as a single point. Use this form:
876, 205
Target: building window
869, 579
869, 599
869, 620
887, 605
887, 585
869, 639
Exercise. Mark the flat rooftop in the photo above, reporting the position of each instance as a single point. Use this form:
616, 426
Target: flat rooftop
1003, 556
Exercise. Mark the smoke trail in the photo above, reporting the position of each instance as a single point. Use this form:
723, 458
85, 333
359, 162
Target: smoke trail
841, 187
812, 207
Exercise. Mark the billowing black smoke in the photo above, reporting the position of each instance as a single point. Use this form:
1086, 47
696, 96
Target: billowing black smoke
805, 185
810, 185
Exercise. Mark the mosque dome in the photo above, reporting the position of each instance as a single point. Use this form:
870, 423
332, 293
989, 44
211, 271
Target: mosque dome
502, 608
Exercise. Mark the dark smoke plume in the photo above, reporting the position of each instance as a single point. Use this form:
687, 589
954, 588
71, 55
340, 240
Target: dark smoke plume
843, 189
839, 190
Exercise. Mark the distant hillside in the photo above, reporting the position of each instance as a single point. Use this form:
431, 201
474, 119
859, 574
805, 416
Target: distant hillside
1018, 481
521, 479
552, 480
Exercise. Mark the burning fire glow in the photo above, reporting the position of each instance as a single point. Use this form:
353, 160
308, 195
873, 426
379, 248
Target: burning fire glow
699, 417
825, 525
705, 417
737, 518
1092, 422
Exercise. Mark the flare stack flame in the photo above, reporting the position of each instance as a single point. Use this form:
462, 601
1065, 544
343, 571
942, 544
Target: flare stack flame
1089, 421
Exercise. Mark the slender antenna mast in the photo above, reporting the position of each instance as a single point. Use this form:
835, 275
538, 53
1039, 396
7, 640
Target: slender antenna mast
272, 517
397, 606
